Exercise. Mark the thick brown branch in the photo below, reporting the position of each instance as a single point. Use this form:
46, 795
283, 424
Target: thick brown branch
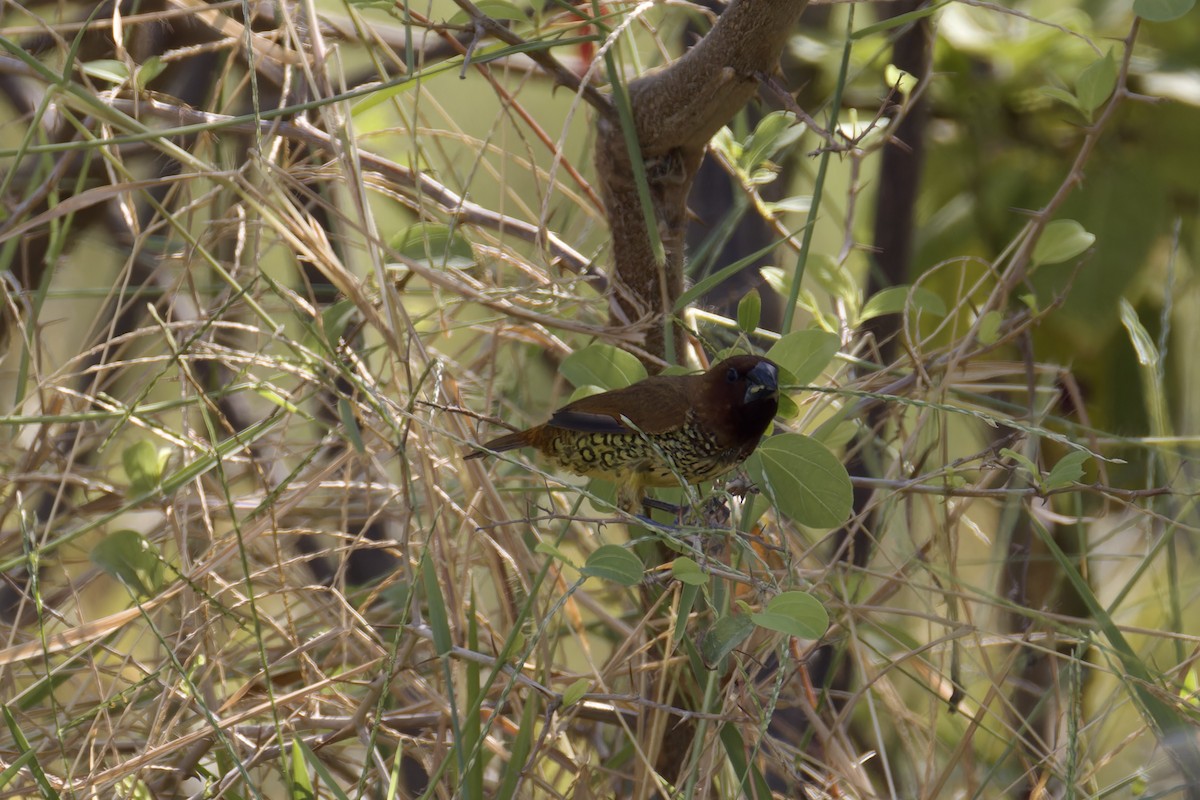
676, 111
683, 105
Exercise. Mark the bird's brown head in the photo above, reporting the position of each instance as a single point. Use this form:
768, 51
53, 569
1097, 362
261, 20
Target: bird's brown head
741, 395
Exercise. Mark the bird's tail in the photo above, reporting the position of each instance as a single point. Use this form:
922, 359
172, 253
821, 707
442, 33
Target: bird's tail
510, 441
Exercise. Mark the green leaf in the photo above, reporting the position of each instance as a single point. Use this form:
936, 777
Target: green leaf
798, 204
787, 407
324, 774
106, 69
392, 89
144, 466
547, 548
613, 563
723, 637
725, 145
519, 751
687, 571
1061, 95
895, 299
705, 284
749, 311
805, 480
989, 327
805, 354
334, 320
833, 276
434, 244
274, 397
1143, 345
751, 779
794, 613
1067, 471
895, 22
1029, 466
301, 782
131, 559
1062, 239
602, 365
150, 70
776, 130
575, 691
350, 425
1162, 10
687, 599
1096, 83
902, 81
27, 758
778, 279
439, 621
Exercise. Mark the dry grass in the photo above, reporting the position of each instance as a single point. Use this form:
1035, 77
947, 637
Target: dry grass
217, 341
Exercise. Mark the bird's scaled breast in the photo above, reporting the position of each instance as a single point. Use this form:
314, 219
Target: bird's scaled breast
687, 451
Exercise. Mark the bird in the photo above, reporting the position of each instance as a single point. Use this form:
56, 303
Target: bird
660, 430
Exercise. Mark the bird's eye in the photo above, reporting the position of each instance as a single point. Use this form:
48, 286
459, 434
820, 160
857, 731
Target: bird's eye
732, 375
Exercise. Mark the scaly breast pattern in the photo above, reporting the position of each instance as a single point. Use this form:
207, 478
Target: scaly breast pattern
688, 451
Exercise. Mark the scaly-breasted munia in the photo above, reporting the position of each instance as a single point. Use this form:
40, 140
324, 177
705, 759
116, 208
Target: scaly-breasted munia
661, 429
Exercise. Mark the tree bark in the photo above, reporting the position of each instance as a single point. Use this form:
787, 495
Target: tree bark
676, 111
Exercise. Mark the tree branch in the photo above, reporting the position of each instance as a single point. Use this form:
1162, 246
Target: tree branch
675, 112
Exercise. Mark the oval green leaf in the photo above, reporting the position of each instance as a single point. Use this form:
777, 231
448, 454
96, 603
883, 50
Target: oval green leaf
106, 69
795, 614
573, 693
1063, 239
687, 571
1022, 460
1062, 95
143, 465
131, 559
896, 299
1096, 83
898, 79
805, 480
787, 407
805, 354
1067, 471
749, 311
772, 134
989, 327
150, 70
602, 365
548, 548
434, 244
1162, 10
723, 637
612, 563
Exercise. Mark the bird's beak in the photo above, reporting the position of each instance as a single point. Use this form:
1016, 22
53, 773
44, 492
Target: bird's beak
762, 382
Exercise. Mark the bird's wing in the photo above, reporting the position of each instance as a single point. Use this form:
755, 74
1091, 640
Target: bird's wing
655, 405
586, 422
